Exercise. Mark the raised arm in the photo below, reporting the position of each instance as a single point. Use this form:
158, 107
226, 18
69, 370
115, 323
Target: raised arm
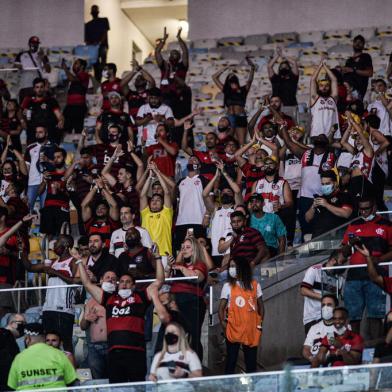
184, 48
114, 211
272, 62
167, 196
136, 159
21, 161
184, 141
95, 291
129, 76
367, 147
158, 49
144, 190
295, 148
216, 77
4, 238
233, 185
251, 73
208, 201
241, 151
313, 84
344, 140
70, 76
253, 121
86, 202
293, 65
382, 141
334, 82
118, 152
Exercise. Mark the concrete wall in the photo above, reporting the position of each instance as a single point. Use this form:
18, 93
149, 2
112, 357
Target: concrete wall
121, 35
220, 18
56, 22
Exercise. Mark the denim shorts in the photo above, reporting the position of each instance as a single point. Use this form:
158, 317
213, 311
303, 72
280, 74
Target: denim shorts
238, 120
359, 294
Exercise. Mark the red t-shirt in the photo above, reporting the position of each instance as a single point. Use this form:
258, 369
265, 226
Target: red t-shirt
269, 118
77, 89
192, 286
166, 163
7, 274
350, 341
106, 88
252, 174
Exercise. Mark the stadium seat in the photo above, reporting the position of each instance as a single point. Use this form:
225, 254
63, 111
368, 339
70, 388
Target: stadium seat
367, 32
205, 43
311, 36
337, 34
231, 41
257, 39
284, 38
384, 31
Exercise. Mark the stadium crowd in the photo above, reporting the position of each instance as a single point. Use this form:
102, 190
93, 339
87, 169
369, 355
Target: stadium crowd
140, 215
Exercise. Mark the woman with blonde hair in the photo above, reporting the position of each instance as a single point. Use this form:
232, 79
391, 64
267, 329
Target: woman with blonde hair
192, 261
176, 360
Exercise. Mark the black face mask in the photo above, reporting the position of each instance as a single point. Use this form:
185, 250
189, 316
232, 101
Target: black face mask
192, 167
40, 139
59, 165
222, 129
269, 172
113, 138
20, 329
227, 199
320, 143
171, 338
131, 242
284, 72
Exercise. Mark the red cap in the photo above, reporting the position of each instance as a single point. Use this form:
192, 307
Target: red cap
34, 40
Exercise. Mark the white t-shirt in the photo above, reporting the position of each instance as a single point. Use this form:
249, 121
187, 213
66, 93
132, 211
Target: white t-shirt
189, 362
191, 206
226, 292
32, 153
316, 334
27, 61
148, 131
324, 116
381, 112
117, 240
220, 223
319, 282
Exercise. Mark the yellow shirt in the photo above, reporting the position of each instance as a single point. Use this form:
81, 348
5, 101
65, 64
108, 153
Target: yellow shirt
159, 226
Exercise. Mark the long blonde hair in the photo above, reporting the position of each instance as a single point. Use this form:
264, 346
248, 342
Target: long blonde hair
197, 254
183, 344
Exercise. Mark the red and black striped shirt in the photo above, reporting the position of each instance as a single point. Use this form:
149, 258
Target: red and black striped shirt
56, 195
104, 228
246, 245
252, 174
125, 320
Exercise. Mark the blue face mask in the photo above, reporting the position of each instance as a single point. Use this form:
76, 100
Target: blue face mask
327, 189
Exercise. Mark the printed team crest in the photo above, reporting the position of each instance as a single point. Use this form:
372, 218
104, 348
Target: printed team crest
240, 301
322, 101
138, 259
44, 106
326, 166
275, 186
334, 200
379, 231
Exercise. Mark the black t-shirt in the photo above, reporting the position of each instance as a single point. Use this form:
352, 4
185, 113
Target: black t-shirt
139, 265
8, 351
285, 89
324, 220
112, 117
94, 29
361, 62
106, 262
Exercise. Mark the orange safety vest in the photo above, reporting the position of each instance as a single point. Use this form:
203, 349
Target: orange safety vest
243, 317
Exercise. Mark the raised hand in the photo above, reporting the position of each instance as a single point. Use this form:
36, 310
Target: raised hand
165, 34
135, 65
28, 217
178, 32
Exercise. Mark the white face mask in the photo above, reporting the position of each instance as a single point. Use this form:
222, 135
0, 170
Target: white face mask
125, 293
108, 287
327, 312
105, 74
233, 272
369, 218
340, 331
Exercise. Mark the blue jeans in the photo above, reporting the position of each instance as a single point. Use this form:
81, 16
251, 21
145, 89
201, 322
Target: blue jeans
97, 359
304, 203
32, 194
361, 293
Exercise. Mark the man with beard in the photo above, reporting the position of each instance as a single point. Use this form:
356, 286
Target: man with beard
100, 260
285, 82
111, 84
58, 311
359, 67
269, 225
143, 82
314, 161
273, 114
56, 207
150, 115
323, 98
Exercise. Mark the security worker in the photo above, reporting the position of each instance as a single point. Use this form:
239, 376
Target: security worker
40, 365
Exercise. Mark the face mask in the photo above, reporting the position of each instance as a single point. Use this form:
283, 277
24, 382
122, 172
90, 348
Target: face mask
230, 156
125, 293
192, 167
327, 312
369, 218
113, 138
327, 189
269, 172
105, 74
222, 129
7, 177
108, 287
340, 331
233, 272
40, 139
171, 338
320, 143
227, 199
284, 71
20, 329
59, 165
131, 242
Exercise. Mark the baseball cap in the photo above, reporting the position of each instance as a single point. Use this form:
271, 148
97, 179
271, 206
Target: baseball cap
34, 329
270, 158
34, 40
